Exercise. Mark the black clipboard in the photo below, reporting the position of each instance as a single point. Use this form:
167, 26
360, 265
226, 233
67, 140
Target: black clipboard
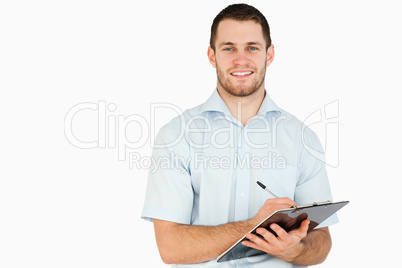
288, 219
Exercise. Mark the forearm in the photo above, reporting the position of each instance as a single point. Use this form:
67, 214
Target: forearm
182, 244
314, 248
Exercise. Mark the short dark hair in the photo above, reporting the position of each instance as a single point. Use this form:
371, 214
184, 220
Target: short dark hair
241, 12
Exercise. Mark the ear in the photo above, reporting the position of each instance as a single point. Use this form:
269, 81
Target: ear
270, 55
211, 56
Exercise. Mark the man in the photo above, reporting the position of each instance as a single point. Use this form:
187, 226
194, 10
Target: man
207, 198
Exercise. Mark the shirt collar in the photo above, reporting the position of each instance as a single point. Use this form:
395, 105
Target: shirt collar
215, 103
268, 105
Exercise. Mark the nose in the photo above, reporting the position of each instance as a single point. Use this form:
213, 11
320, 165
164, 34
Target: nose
241, 59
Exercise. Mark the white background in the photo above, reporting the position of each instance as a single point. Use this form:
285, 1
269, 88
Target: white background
62, 206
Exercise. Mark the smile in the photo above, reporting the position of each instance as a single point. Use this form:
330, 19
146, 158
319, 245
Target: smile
242, 73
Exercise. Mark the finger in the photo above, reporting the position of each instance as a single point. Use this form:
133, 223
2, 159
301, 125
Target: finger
291, 202
251, 244
258, 242
284, 201
256, 239
302, 230
278, 203
269, 238
280, 232
304, 226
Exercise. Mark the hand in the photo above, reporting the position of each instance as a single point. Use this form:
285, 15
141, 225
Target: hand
287, 246
272, 205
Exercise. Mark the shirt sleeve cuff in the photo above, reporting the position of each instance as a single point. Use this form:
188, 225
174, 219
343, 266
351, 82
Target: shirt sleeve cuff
150, 213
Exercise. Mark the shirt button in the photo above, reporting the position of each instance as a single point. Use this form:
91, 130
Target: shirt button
242, 195
240, 258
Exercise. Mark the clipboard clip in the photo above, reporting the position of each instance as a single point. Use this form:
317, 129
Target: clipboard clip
313, 204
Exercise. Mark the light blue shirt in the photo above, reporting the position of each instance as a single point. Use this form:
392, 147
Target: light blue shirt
205, 165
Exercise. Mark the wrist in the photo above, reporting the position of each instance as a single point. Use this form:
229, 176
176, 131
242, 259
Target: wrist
254, 221
297, 251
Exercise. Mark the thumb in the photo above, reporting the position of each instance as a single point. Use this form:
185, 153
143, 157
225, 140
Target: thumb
304, 227
301, 232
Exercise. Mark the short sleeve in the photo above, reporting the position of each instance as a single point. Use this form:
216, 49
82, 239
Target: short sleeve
169, 194
313, 184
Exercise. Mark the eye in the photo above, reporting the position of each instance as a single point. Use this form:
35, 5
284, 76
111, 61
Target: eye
227, 49
253, 48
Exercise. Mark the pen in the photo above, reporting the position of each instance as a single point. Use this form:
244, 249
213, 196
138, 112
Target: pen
266, 189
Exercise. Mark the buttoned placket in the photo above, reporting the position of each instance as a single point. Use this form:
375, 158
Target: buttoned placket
243, 177
242, 171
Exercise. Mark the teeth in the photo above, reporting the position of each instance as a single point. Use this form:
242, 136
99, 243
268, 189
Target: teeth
242, 73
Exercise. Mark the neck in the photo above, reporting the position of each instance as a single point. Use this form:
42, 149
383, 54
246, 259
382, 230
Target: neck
243, 108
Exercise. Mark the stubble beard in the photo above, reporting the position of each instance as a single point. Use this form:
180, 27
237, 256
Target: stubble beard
241, 90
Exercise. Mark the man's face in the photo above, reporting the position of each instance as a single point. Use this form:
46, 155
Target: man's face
240, 57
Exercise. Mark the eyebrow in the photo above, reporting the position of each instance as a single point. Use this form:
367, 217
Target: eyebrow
248, 43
